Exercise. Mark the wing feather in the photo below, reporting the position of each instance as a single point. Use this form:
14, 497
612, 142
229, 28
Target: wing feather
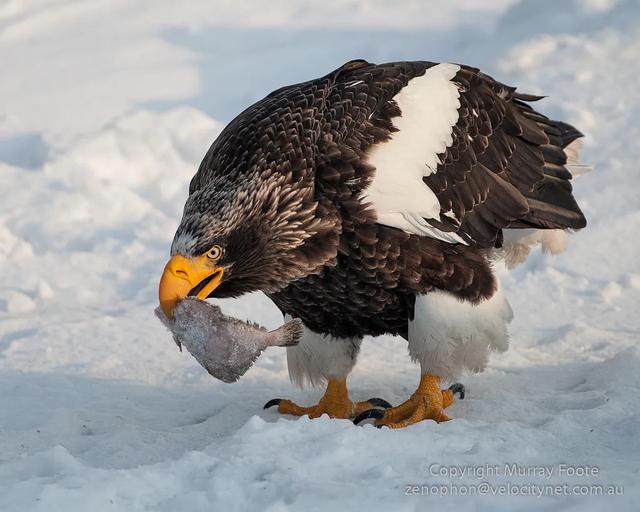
447, 152
506, 165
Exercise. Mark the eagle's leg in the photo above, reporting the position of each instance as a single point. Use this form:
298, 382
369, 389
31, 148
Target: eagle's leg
323, 358
335, 402
427, 403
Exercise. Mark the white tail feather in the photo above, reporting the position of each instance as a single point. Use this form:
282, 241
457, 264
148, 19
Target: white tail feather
575, 167
519, 242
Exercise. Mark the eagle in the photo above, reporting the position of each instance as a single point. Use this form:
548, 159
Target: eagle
376, 200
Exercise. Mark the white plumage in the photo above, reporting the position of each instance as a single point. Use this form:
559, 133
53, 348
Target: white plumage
576, 168
448, 335
429, 109
519, 242
183, 243
318, 358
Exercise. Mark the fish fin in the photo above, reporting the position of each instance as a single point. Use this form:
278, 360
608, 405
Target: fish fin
289, 334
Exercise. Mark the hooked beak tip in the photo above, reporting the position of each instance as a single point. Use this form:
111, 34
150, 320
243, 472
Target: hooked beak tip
183, 276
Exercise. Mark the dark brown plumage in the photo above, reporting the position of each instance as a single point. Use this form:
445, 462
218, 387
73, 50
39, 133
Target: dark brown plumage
281, 191
374, 200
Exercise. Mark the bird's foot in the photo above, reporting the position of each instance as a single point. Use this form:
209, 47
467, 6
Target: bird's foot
335, 402
427, 403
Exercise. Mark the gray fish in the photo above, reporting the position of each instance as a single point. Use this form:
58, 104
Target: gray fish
224, 346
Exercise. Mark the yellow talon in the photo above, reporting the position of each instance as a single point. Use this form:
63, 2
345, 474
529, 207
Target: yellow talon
335, 402
427, 403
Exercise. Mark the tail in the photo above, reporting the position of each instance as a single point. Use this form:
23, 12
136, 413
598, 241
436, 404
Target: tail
572, 150
551, 202
553, 208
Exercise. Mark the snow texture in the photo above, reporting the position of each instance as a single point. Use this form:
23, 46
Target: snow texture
106, 109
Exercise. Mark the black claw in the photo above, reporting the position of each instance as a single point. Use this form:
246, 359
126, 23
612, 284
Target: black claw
272, 402
371, 413
379, 402
458, 388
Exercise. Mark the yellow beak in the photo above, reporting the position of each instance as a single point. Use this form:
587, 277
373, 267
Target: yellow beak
181, 275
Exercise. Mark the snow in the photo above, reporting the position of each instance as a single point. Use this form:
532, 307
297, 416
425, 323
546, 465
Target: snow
106, 109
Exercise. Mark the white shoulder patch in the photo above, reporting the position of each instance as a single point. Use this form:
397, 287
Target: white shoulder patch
429, 106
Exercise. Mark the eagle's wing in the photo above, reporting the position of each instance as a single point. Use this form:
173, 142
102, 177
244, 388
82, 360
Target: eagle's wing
469, 157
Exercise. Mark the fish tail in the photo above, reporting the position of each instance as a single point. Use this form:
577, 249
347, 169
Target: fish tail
288, 335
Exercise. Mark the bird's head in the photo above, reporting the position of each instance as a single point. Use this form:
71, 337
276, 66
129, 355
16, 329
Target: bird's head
259, 235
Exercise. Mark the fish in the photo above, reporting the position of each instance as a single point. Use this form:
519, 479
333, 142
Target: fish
223, 345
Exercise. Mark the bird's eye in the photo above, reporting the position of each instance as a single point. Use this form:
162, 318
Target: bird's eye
214, 253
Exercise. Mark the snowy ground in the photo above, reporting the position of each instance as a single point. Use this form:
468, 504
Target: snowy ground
106, 109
